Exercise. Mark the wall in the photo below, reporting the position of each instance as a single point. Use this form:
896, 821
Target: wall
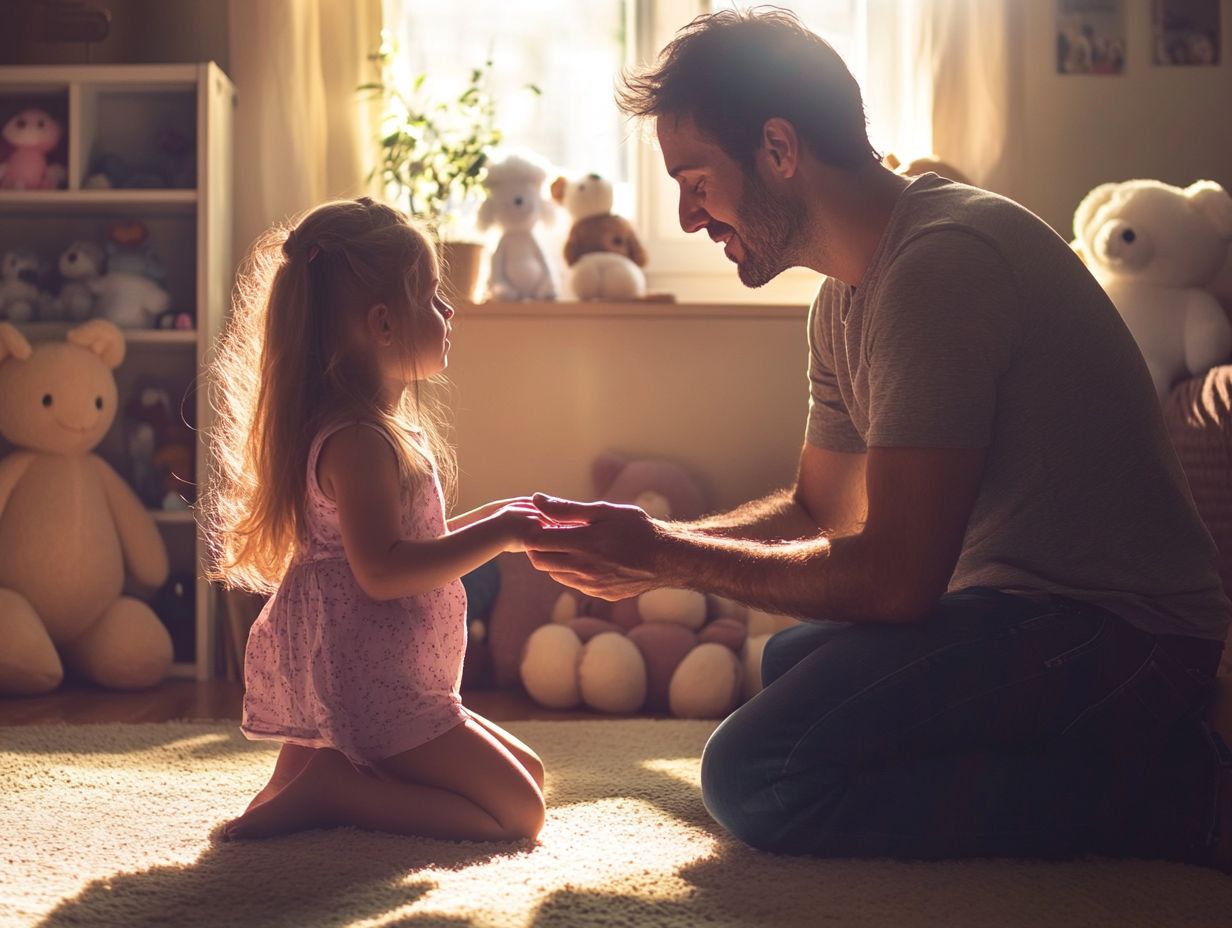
142, 32
1169, 123
540, 391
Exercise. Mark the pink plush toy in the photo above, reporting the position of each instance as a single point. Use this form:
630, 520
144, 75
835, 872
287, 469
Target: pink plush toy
32, 133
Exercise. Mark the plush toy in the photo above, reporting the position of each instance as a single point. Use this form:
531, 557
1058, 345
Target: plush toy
1154, 247
920, 166
667, 650
20, 296
131, 294
69, 525
515, 204
603, 253
160, 448
80, 264
32, 134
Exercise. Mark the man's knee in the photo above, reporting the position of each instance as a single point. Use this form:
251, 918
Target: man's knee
737, 780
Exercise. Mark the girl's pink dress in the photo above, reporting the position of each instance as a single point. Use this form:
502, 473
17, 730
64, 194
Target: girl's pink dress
326, 666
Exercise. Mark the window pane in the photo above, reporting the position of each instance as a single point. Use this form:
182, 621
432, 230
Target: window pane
573, 54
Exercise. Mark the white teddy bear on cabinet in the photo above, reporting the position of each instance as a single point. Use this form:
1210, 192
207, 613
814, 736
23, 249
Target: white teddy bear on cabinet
515, 203
1154, 247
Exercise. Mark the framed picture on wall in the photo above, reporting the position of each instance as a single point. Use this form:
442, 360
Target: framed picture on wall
1090, 36
1185, 32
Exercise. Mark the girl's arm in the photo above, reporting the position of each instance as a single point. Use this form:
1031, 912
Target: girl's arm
358, 469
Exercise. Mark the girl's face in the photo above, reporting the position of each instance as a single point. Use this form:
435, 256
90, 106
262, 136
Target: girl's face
428, 340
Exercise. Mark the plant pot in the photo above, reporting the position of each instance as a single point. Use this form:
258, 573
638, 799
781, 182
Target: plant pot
460, 270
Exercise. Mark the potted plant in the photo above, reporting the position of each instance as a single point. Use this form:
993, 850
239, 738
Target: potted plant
434, 153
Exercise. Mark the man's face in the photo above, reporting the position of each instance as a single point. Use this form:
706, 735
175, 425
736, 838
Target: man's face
757, 227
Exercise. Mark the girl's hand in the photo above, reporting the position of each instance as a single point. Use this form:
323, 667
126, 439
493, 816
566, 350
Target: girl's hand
486, 511
519, 521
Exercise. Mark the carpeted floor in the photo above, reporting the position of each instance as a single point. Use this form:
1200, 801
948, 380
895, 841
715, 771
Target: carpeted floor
109, 825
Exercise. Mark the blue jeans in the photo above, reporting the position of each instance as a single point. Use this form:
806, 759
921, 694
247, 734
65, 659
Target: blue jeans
1000, 726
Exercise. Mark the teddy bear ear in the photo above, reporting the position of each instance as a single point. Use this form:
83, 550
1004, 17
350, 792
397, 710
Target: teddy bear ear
101, 337
558, 189
1090, 203
12, 343
1214, 203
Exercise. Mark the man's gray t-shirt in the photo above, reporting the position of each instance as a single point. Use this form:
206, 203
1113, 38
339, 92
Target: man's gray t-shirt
976, 326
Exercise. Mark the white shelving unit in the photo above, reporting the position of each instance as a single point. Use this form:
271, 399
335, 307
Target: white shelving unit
120, 109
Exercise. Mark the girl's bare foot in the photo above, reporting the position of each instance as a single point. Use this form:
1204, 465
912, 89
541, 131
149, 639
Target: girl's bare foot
266, 793
302, 803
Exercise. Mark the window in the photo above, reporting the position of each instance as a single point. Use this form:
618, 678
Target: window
574, 53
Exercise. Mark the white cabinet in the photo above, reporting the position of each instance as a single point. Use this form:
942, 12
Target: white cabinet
166, 131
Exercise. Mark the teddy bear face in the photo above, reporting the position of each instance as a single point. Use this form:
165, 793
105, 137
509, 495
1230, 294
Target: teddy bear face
33, 129
81, 260
1155, 232
20, 264
60, 400
590, 195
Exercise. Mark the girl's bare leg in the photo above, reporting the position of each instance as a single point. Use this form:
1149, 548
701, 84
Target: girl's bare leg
521, 752
291, 760
463, 785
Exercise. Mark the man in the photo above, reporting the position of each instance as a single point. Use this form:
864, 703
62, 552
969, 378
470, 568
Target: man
1011, 606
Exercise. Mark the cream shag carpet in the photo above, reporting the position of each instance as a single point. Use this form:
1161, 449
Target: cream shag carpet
109, 825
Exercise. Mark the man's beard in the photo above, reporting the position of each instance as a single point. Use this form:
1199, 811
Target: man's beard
770, 228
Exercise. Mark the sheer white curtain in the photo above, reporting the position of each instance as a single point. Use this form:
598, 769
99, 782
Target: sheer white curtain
971, 61
302, 135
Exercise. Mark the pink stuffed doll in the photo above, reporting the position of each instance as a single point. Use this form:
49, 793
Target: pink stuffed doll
32, 133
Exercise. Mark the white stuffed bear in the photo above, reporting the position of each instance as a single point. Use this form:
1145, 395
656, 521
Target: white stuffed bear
1154, 247
80, 264
71, 530
131, 301
19, 292
515, 203
603, 253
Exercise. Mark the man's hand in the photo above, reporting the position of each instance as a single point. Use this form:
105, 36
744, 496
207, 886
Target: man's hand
601, 549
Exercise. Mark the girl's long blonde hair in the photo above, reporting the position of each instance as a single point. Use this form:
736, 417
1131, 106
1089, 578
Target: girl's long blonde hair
287, 365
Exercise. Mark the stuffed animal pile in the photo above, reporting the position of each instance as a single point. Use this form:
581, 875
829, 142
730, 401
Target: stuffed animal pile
603, 253
121, 281
668, 650
71, 530
1155, 248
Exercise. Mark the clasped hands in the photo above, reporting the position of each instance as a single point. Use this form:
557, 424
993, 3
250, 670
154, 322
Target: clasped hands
606, 550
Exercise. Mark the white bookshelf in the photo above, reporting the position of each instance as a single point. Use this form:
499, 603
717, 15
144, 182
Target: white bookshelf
118, 108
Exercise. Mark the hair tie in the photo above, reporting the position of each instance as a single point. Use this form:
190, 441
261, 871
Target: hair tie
313, 251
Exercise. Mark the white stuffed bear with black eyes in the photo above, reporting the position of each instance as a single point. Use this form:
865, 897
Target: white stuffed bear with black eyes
515, 203
1154, 248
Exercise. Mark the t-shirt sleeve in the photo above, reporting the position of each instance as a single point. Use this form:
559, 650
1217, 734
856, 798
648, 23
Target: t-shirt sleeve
941, 329
829, 424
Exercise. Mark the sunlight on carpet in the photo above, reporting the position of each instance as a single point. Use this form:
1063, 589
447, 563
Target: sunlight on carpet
109, 825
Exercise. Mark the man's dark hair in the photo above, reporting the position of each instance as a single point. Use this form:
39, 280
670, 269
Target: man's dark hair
731, 71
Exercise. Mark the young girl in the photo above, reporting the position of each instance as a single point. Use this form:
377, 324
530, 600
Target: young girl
326, 493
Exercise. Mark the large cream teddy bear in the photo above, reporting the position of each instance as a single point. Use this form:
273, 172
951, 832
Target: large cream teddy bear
668, 650
1154, 248
70, 525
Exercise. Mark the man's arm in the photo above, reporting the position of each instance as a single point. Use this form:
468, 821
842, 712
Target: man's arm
828, 496
894, 569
